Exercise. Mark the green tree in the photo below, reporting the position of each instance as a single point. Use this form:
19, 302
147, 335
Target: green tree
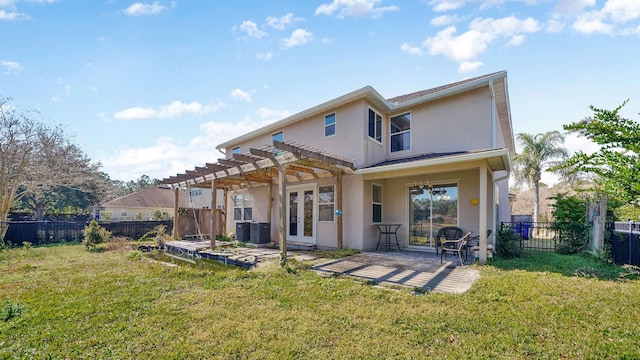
34, 159
615, 167
539, 153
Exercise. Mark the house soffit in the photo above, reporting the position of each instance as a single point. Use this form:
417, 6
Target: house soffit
261, 166
495, 160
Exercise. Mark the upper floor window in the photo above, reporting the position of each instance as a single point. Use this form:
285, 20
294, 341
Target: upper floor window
330, 125
196, 192
235, 150
401, 132
279, 136
375, 126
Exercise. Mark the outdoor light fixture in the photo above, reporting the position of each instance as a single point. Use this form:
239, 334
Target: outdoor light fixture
474, 201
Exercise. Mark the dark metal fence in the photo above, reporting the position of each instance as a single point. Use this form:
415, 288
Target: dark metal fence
624, 238
535, 235
52, 232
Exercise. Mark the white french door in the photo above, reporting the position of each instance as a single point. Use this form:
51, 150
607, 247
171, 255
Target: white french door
301, 214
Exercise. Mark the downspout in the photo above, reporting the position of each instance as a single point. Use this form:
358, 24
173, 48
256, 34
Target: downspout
493, 114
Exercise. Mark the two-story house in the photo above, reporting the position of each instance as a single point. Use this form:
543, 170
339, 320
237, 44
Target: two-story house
327, 175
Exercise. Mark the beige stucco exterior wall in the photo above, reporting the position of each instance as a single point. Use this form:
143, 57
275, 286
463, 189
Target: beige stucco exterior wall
456, 123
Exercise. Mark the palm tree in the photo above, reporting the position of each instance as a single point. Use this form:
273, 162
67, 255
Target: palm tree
539, 152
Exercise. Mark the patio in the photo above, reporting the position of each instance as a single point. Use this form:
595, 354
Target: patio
414, 269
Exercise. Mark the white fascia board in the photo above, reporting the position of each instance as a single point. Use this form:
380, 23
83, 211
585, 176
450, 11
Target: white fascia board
445, 160
452, 90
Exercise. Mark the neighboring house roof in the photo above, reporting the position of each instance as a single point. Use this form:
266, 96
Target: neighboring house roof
156, 197
496, 81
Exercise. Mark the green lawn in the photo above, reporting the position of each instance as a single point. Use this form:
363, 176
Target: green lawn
63, 302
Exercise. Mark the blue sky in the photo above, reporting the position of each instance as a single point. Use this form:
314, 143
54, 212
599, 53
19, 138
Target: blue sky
152, 87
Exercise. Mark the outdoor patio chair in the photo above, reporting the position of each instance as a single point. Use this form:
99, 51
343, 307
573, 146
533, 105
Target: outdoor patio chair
475, 241
454, 246
448, 233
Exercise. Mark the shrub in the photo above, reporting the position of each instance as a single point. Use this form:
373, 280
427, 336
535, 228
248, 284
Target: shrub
569, 222
94, 234
158, 214
507, 245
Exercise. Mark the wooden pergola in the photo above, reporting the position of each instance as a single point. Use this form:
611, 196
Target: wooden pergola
281, 163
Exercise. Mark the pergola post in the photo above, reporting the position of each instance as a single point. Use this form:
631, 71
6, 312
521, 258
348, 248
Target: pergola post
176, 223
483, 214
282, 192
214, 202
269, 201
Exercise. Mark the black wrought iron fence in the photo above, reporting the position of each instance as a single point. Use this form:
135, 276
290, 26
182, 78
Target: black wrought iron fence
52, 232
535, 235
624, 239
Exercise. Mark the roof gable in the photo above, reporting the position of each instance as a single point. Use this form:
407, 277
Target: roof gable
156, 197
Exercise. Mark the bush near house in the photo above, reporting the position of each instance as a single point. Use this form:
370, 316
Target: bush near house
569, 221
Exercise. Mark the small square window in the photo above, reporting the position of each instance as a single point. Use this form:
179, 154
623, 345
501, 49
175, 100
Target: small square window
375, 126
279, 136
235, 150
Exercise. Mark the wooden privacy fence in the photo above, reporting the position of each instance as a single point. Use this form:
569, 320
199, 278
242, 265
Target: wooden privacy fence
52, 232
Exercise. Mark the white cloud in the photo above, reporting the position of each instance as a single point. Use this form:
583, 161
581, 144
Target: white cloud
251, 29
411, 50
554, 26
443, 20
11, 67
139, 9
572, 7
174, 110
590, 23
162, 159
460, 48
515, 40
466, 47
282, 22
298, 37
507, 26
354, 8
265, 56
469, 66
12, 16
446, 5
271, 114
238, 94
622, 10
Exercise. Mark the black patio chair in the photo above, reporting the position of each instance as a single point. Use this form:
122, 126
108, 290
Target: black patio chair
448, 233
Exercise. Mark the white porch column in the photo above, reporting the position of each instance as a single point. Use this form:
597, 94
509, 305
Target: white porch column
483, 213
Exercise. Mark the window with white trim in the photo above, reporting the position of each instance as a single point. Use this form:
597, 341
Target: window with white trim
376, 202
375, 126
243, 206
400, 132
235, 150
330, 125
326, 203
